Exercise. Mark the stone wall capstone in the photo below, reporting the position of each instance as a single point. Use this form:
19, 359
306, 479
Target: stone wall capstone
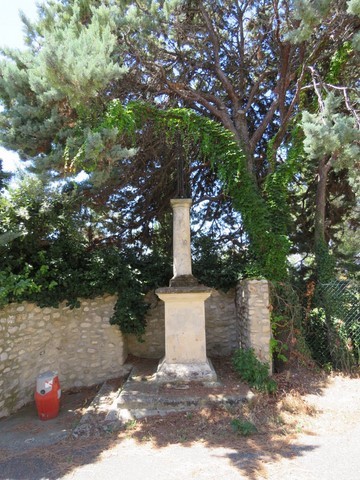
79, 344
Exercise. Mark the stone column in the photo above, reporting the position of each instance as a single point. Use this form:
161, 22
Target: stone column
181, 243
185, 340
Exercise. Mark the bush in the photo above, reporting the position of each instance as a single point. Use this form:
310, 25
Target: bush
253, 371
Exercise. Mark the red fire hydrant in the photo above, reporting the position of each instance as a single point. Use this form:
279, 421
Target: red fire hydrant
47, 395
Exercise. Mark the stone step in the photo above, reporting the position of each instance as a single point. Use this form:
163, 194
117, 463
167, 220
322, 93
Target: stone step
150, 406
143, 397
138, 400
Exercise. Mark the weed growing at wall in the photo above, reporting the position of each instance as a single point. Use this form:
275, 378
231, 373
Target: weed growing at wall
243, 427
253, 371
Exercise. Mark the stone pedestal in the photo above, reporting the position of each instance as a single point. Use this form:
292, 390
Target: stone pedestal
185, 343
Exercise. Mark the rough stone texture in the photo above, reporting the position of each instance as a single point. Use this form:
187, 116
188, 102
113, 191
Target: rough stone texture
85, 349
181, 236
252, 299
79, 344
153, 341
220, 324
186, 372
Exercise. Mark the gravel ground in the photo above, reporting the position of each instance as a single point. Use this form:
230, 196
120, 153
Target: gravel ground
321, 446
325, 448
328, 449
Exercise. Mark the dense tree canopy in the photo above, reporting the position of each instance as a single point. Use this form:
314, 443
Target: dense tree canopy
255, 103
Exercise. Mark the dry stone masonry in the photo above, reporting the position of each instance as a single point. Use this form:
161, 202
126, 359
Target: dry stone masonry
85, 349
221, 326
79, 344
253, 312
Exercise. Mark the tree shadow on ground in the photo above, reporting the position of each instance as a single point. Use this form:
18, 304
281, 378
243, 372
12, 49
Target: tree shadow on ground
52, 462
278, 420
247, 455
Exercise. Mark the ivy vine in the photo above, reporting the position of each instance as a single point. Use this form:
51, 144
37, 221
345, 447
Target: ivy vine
269, 243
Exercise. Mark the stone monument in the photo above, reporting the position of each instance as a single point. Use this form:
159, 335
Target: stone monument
185, 342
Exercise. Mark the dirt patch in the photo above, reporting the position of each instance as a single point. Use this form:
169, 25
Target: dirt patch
85, 395
274, 415
25, 431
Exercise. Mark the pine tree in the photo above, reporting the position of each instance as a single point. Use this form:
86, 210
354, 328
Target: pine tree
53, 92
242, 64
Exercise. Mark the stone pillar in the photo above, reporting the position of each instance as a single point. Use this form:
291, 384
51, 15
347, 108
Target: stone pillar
181, 243
252, 300
185, 339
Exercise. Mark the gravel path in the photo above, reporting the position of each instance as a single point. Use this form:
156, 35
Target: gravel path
326, 449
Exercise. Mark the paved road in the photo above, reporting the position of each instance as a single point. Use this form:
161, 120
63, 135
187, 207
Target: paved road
174, 462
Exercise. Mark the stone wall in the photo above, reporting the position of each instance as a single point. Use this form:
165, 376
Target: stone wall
220, 324
79, 344
153, 341
85, 349
220, 320
253, 313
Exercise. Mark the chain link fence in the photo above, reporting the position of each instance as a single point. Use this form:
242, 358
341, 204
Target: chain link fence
332, 325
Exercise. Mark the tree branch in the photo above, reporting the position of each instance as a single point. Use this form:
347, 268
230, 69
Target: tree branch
221, 75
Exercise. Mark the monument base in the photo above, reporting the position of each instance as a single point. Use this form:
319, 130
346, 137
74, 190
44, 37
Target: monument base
185, 372
184, 281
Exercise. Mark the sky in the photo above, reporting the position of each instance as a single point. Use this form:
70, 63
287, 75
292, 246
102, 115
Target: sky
11, 35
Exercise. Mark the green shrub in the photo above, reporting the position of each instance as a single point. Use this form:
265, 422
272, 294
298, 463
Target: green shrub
253, 371
243, 427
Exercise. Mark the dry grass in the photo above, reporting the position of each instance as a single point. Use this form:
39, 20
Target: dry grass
284, 413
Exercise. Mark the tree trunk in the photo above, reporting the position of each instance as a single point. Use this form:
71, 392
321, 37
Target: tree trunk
320, 206
340, 357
